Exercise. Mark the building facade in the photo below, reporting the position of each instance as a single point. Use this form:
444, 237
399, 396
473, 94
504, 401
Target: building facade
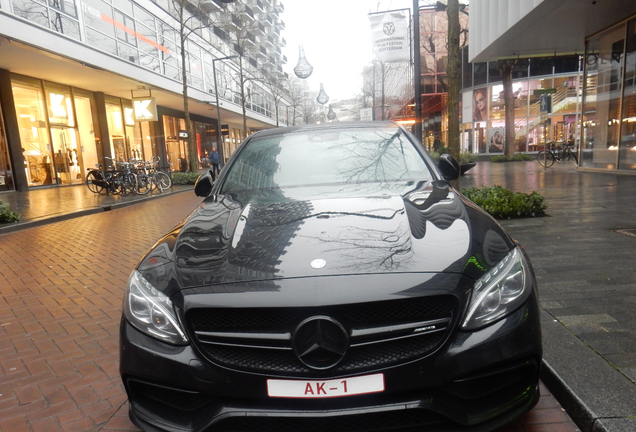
483, 110
70, 71
603, 35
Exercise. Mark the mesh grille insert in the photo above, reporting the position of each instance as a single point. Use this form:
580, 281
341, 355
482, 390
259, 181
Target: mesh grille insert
275, 355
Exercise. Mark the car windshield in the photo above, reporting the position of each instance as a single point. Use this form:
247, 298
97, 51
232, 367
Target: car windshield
325, 161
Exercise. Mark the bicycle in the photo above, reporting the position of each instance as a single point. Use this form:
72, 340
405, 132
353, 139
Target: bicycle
546, 157
118, 182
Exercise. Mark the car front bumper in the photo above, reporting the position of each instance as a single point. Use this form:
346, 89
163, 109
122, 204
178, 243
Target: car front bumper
477, 381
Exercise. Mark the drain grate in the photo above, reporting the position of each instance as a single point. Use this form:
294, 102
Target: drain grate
629, 232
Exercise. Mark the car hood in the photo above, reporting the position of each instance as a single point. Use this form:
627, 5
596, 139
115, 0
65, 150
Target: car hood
432, 229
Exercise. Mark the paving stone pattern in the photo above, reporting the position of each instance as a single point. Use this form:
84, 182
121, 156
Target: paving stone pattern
62, 286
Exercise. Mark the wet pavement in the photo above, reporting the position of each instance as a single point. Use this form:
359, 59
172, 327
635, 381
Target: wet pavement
63, 269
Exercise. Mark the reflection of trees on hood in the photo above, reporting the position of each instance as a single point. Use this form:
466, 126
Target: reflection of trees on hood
376, 160
372, 249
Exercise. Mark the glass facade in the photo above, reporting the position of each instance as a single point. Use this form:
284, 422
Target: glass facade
124, 29
56, 148
609, 109
483, 108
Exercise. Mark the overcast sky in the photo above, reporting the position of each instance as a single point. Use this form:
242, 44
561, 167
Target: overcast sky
336, 37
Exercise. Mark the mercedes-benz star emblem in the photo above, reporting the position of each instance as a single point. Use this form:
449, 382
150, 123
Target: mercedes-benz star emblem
320, 342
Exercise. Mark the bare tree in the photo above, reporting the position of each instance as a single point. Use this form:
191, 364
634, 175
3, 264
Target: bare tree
239, 28
191, 19
308, 109
453, 71
505, 68
296, 91
277, 84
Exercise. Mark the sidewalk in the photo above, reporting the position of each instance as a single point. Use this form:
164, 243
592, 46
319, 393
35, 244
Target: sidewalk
583, 257
47, 205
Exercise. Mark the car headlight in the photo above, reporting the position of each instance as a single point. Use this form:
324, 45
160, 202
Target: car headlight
151, 311
499, 292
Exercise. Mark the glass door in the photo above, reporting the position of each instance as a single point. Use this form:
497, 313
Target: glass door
36, 148
66, 156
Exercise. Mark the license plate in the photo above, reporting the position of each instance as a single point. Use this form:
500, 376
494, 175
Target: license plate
325, 389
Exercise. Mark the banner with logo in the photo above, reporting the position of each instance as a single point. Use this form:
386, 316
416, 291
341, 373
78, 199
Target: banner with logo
390, 36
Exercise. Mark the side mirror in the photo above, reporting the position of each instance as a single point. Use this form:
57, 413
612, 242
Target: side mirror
203, 185
449, 167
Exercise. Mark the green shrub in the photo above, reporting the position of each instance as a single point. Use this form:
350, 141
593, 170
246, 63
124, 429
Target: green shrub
515, 158
502, 203
6, 214
185, 178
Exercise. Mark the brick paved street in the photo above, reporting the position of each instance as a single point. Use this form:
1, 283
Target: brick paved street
62, 287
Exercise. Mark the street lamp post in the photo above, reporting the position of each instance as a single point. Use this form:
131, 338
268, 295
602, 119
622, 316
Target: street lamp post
219, 135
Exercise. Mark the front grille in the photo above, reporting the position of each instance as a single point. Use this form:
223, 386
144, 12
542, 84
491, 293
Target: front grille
381, 333
412, 419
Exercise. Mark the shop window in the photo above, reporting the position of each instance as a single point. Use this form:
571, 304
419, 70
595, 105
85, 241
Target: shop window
601, 127
565, 99
521, 130
497, 104
36, 147
627, 154
115, 120
90, 155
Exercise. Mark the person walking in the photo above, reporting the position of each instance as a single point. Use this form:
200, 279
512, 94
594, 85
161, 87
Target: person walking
215, 160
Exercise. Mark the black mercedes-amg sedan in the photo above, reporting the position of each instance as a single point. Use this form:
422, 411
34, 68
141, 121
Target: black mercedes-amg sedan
332, 280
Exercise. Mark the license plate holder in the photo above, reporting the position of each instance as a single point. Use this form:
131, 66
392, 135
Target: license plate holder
317, 389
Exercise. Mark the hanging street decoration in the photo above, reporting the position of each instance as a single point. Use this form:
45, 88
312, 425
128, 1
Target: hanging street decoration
322, 96
303, 69
331, 115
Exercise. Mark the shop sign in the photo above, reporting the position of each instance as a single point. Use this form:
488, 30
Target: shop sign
183, 134
145, 109
225, 129
545, 103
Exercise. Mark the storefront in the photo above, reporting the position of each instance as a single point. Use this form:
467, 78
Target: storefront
57, 146
176, 138
483, 108
609, 109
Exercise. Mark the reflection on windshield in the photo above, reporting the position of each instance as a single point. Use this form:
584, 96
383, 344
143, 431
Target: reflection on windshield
313, 162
